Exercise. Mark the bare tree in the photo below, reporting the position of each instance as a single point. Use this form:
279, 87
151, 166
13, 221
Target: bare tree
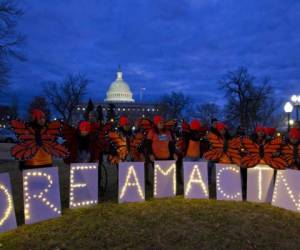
10, 39
206, 111
65, 96
247, 103
39, 102
174, 105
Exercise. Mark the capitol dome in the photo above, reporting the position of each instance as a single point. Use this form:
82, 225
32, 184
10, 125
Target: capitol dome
119, 90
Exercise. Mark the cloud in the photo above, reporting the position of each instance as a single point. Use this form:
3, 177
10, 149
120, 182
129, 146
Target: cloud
183, 45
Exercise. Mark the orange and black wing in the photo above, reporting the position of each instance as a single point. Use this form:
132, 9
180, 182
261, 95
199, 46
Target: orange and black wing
250, 153
27, 147
215, 152
136, 145
102, 142
119, 150
233, 150
49, 137
272, 155
288, 153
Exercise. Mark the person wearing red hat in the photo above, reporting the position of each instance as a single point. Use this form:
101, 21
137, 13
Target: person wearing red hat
125, 130
42, 158
38, 117
222, 130
160, 144
270, 133
260, 135
291, 149
83, 142
39, 150
192, 138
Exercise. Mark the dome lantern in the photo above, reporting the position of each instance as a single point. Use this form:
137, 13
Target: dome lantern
119, 90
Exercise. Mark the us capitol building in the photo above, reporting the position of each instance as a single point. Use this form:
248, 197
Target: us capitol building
120, 98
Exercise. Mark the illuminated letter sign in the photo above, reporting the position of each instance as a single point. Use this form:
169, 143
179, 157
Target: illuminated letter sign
131, 182
228, 182
260, 183
195, 180
164, 179
287, 190
41, 194
83, 184
7, 211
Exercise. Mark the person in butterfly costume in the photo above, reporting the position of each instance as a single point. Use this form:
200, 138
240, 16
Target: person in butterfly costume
223, 148
138, 140
160, 143
189, 143
291, 149
262, 150
86, 143
37, 141
125, 130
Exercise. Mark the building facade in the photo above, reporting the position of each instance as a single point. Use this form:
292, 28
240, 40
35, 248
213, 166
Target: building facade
120, 101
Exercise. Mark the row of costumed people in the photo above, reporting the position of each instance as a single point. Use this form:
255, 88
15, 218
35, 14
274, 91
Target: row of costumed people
150, 141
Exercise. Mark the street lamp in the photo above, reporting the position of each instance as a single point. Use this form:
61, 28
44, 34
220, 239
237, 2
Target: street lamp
288, 108
296, 102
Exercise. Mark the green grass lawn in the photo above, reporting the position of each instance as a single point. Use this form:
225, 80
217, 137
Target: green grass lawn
165, 223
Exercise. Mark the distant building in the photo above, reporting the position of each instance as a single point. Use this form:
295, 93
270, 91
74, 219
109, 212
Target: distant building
7, 113
120, 98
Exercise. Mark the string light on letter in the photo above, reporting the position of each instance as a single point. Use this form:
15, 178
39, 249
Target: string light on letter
167, 172
196, 178
75, 185
260, 169
135, 183
219, 174
40, 196
9, 207
280, 177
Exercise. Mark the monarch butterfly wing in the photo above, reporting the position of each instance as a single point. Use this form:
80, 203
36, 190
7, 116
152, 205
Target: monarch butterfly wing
233, 151
27, 146
53, 129
101, 142
119, 144
272, 155
216, 151
23, 132
273, 146
288, 153
113, 159
136, 145
214, 154
55, 149
215, 141
24, 151
49, 144
250, 157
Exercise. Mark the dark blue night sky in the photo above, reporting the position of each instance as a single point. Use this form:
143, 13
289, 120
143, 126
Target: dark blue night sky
162, 45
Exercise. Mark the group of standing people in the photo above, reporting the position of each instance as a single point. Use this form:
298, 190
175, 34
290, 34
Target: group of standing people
150, 140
